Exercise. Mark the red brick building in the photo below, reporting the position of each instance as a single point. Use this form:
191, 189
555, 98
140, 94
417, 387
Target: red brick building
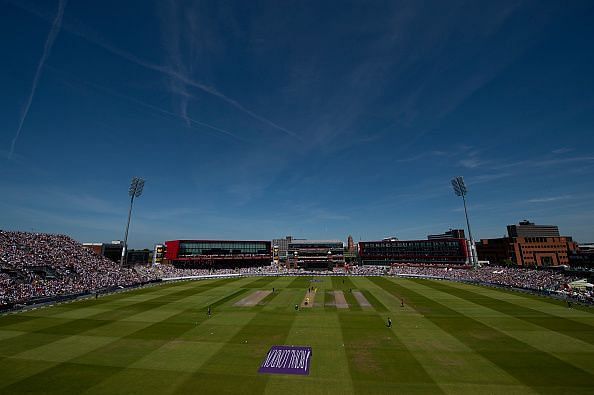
528, 249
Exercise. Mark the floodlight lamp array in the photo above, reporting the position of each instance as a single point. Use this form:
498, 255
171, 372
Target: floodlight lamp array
136, 187
459, 186
139, 187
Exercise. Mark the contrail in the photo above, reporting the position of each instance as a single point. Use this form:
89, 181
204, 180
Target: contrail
93, 38
173, 47
189, 120
182, 78
46, 51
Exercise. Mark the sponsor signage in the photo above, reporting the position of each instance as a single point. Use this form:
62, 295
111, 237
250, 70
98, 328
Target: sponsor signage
287, 360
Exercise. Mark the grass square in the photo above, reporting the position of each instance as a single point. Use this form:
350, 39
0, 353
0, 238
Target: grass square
26, 341
7, 334
134, 381
116, 328
122, 352
179, 356
65, 349
63, 378
13, 370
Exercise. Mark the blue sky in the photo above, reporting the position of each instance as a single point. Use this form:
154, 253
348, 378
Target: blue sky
256, 120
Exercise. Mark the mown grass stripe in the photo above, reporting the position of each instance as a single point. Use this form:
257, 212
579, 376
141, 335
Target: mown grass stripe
248, 347
144, 341
16, 318
377, 305
73, 378
60, 308
174, 346
568, 349
300, 282
540, 298
29, 315
329, 370
518, 359
338, 283
261, 282
450, 363
70, 327
582, 314
34, 339
378, 360
574, 329
174, 326
128, 309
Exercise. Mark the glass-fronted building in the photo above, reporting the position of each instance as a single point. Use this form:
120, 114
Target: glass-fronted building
315, 254
218, 253
433, 252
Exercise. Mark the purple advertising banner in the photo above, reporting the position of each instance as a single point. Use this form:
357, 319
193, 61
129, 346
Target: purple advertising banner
287, 360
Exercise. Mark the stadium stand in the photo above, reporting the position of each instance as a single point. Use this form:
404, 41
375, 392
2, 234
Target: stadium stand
540, 280
38, 265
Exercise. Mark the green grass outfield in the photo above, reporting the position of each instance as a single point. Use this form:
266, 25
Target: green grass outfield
449, 338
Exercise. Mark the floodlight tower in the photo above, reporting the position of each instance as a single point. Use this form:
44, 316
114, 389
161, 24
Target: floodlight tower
461, 190
136, 187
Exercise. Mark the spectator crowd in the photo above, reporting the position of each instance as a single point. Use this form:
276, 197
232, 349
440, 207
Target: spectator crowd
541, 280
517, 277
37, 265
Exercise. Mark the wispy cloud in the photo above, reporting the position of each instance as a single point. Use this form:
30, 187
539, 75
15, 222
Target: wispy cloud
483, 178
422, 106
471, 159
172, 24
504, 166
423, 155
16, 158
549, 199
562, 150
49, 42
176, 213
92, 37
207, 89
59, 199
76, 220
470, 163
553, 162
466, 156
411, 230
189, 120
538, 162
182, 78
312, 212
